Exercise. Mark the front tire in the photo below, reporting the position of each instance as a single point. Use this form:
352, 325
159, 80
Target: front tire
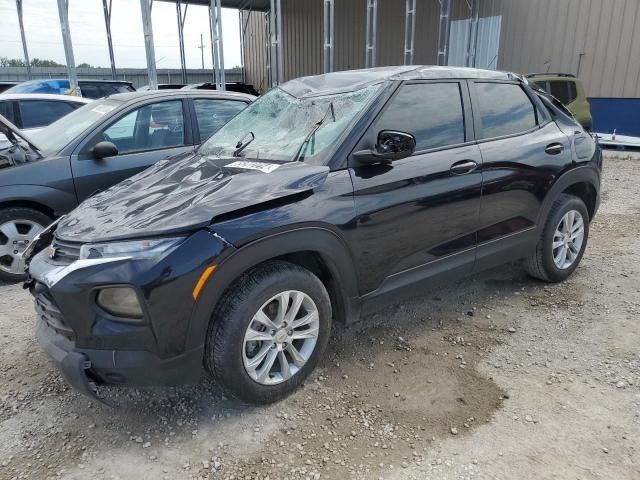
18, 227
268, 332
563, 242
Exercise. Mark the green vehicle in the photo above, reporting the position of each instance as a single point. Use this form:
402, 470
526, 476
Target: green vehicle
569, 91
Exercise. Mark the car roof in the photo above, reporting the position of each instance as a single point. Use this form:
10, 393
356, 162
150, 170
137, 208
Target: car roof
351, 80
44, 96
129, 96
92, 80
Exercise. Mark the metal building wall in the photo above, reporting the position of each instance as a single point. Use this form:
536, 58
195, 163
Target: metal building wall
256, 49
598, 40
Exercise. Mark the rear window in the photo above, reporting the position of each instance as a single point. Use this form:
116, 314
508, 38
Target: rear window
505, 109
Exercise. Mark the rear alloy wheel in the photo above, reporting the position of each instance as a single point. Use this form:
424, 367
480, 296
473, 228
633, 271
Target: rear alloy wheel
563, 241
268, 332
18, 227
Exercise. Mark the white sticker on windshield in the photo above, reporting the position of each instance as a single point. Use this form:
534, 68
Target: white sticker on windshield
102, 109
263, 167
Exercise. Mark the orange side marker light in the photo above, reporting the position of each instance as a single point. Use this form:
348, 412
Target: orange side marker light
203, 279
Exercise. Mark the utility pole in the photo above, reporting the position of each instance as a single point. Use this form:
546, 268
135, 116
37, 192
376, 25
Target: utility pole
201, 47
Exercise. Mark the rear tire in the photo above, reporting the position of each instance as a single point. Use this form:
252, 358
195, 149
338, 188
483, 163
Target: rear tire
18, 226
563, 242
268, 332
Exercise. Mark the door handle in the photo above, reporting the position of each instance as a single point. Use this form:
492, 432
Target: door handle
554, 149
463, 166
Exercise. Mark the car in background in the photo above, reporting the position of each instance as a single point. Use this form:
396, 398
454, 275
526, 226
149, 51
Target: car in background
229, 87
163, 86
5, 85
49, 173
568, 90
88, 88
32, 111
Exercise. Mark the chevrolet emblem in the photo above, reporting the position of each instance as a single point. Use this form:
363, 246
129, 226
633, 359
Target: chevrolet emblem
51, 251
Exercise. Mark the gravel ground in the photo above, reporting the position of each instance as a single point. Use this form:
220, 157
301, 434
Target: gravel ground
496, 376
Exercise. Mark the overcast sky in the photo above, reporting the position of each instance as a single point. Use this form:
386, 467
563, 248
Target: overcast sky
44, 40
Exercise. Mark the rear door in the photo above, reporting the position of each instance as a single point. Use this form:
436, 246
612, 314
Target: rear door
142, 134
417, 217
523, 151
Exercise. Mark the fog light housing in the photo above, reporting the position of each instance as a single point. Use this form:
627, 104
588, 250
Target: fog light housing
120, 302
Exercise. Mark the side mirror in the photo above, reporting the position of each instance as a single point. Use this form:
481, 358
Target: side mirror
390, 146
104, 149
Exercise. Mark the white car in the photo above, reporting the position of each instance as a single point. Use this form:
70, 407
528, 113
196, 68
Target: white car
33, 111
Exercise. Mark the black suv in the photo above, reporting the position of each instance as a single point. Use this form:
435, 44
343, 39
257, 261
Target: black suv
323, 200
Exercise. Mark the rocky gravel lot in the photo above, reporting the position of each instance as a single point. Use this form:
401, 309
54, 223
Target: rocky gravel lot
497, 376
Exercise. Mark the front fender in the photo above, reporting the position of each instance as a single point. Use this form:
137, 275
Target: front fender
59, 201
321, 241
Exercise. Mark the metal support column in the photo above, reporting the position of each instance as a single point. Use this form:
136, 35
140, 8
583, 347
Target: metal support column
217, 53
472, 41
145, 8
25, 52
372, 29
106, 6
443, 31
275, 26
409, 32
181, 18
241, 34
328, 35
63, 13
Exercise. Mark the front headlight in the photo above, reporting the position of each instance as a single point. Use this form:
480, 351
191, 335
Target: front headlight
145, 248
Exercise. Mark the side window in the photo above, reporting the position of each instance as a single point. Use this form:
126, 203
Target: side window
432, 112
560, 90
90, 91
40, 113
213, 114
505, 109
6, 110
152, 127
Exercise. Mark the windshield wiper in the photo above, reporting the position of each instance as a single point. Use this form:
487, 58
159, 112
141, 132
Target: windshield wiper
313, 131
242, 144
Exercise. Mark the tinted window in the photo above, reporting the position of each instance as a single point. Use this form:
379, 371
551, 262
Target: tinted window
560, 90
40, 113
213, 114
6, 110
90, 91
573, 91
432, 112
155, 126
505, 109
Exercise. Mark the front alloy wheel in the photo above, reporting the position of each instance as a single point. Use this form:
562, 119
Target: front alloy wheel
268, 332
281, 337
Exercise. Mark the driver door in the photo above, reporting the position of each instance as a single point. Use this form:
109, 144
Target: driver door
143, 135
417, 216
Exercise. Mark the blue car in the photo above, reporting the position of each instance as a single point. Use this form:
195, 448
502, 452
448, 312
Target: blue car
88, 88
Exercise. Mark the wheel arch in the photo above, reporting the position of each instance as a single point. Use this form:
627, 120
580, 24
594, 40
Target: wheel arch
45, 210
317, 249
583, 182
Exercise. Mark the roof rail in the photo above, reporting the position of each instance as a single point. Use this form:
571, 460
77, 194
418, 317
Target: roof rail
551, 74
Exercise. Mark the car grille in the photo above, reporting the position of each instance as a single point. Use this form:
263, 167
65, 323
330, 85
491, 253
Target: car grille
66, 252
48, 311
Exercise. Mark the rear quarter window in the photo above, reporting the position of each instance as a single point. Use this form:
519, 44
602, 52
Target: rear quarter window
505, 109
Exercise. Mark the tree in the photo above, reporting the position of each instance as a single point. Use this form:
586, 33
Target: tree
84, 65
11, 62
36, 62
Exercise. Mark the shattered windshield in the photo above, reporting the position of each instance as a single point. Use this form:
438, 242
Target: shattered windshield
280, 124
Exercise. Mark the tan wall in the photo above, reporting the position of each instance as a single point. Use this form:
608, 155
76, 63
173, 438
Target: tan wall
537, 36
256, 49
550, 35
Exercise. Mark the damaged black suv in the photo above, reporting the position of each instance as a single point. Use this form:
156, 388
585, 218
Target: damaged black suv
327, 198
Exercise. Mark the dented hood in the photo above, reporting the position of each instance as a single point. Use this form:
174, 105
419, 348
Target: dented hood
179, 195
